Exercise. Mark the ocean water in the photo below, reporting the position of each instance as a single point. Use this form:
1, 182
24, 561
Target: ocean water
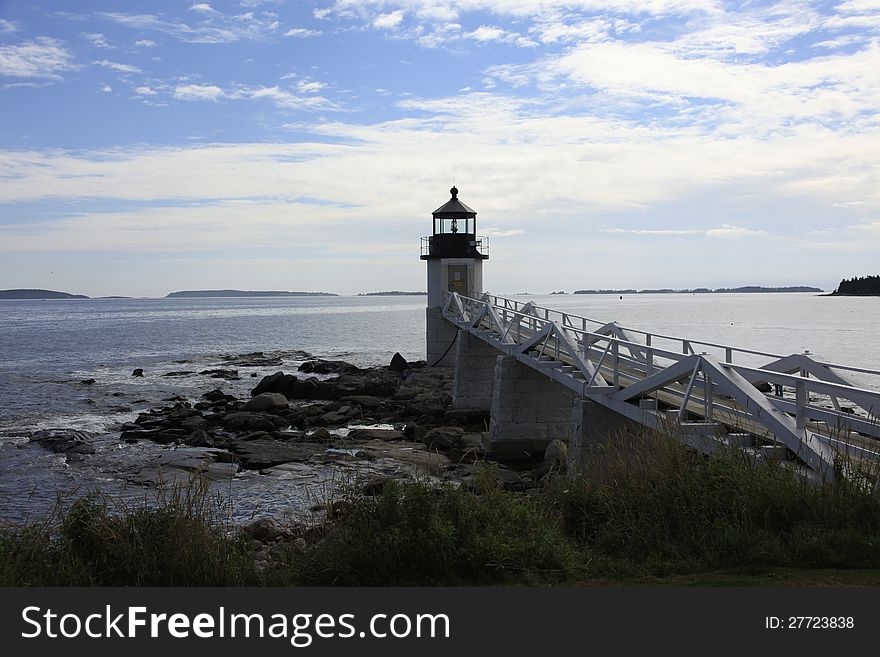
48, 347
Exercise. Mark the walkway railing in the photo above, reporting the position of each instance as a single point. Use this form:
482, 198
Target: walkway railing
812, 411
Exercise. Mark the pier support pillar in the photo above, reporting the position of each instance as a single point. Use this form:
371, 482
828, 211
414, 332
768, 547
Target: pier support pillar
474, 373
529, 410
594, 426
439, 334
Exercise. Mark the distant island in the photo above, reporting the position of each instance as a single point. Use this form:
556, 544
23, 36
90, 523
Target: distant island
190, 294
392, 293
706, 290
861, 286
38, 294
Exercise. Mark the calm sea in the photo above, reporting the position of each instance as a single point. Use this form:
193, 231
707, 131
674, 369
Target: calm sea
48, 347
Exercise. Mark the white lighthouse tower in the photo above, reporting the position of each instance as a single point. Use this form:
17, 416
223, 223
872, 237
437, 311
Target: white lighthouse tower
455, 257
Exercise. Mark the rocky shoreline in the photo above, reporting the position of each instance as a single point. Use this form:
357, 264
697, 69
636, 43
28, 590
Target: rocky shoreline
374, 424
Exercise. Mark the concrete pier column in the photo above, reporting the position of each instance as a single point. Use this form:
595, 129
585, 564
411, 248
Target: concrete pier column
594, 425
529, 410
474, 373
439, 334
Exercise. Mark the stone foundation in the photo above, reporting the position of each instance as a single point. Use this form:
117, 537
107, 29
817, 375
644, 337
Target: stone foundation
529, 410
474, 373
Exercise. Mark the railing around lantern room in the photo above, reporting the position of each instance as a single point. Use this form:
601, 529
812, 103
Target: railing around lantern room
455, 245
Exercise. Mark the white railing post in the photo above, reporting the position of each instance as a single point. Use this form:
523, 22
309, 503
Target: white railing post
800, 400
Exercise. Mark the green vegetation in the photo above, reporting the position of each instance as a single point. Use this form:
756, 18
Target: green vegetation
859, 286
651, 514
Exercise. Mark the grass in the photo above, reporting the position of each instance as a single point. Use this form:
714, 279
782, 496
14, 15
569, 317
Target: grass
653, 514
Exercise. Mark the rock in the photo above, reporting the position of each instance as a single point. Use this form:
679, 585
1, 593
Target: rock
180, 373
362, 400
255, 359
375, 486
229, 375
373, 383
556, 454
375, 434
64, 441
200, 438
194, 423
268, 452
320, 366
266, 530
138, 372
443, 437
267, 401
398, 363
87, 382
321, 434
217, 395
242, 421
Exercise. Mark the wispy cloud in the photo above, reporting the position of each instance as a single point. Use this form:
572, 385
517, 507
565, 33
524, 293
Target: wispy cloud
145, 43
43, 57
198, 92
97, 40
116, 66
302, 33
212, 27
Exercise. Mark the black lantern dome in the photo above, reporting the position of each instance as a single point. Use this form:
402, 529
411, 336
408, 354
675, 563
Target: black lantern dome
455, 232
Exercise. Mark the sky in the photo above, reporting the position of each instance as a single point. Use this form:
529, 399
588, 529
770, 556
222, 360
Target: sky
147, 147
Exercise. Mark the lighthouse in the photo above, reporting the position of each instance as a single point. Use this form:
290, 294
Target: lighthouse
455, 257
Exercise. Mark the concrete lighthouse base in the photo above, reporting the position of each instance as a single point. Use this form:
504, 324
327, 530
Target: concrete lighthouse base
439, 334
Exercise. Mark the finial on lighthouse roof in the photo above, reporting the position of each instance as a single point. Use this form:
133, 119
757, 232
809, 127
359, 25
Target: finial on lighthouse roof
454, 191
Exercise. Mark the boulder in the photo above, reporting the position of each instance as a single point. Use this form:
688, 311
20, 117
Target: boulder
243, 421
138, 372
217, 395
200, 438
229, 375
64, 441
267, 401
398, 363
556, 454
268, 452
87, 382
320, 366
443, 437
255, 359
179, 373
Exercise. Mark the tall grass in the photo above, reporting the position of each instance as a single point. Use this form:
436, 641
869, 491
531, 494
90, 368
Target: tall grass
649, 510
657, 507
178, 542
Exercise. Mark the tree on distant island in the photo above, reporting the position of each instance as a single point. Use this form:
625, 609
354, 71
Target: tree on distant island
859, 286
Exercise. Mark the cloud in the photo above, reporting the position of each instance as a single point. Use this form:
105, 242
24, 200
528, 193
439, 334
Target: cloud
388, 21
198, 92
42, 57
213, 27
727, 231
97, 40
106, 89
116, 66
288, 100
203, 7
495, 232
145, 91
7, 26
309, 86
302, 33
146, 43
